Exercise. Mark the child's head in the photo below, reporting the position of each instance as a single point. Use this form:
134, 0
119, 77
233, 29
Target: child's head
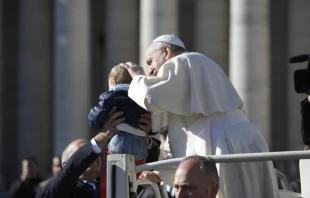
119, 75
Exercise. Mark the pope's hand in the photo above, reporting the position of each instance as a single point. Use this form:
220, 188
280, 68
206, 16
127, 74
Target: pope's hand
133, 69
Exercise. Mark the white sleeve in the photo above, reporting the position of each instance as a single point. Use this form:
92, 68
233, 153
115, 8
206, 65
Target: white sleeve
167, 145
138, 92
139, 89
157, 121
167, 92
94, 146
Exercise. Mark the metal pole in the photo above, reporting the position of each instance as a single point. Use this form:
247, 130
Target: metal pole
229, 158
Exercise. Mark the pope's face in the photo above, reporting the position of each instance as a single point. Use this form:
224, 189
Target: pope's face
154, 60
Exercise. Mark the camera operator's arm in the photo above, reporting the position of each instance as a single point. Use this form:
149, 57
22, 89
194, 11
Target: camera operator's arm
305, 122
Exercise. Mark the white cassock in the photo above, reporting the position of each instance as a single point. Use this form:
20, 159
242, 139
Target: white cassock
205, 116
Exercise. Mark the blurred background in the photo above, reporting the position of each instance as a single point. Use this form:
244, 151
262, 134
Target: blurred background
55, 56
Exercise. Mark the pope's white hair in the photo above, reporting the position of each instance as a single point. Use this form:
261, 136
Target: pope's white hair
158, 46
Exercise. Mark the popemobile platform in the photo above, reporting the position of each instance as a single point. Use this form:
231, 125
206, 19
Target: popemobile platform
122, 182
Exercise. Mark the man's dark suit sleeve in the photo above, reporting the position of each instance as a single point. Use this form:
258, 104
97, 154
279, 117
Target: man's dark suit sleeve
65, 183
154, 151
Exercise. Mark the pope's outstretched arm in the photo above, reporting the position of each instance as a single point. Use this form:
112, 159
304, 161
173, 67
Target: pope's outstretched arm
166, 92
141, 91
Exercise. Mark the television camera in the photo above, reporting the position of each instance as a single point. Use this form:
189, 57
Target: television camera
302, 76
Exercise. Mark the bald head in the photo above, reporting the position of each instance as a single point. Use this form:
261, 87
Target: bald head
196, 176
205, 166
92, 172
70, 149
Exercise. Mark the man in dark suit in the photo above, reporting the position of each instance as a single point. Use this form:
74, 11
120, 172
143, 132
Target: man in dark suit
305, 122
81, 163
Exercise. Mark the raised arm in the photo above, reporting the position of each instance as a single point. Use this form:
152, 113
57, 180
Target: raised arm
64, 184
166, 92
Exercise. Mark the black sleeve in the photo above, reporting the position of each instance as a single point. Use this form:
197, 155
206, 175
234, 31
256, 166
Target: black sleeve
98, 113
65, 183
154, 151
305, 121
15, 189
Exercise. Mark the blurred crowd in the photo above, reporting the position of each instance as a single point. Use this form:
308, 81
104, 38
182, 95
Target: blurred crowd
30, 182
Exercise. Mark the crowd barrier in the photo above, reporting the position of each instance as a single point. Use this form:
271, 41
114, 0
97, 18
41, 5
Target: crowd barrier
121, 170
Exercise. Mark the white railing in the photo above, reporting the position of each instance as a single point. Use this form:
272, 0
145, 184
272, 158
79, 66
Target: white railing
121, 170
230, 158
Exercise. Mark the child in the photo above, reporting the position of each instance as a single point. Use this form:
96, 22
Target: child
130, 139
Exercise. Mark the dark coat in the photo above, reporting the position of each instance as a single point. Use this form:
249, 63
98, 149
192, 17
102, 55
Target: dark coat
25, 189
117, 97
305, 122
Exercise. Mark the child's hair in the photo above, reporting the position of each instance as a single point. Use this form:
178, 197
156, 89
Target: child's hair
120, 75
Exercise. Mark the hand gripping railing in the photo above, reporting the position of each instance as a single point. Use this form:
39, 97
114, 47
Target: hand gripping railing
124, 170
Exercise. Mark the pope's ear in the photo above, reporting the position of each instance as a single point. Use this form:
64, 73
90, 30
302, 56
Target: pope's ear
168, 52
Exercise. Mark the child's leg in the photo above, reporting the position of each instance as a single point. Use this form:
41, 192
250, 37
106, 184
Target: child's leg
118, 143
127, 143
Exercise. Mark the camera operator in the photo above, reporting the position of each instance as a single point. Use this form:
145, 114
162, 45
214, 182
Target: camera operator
302, 86
305, 132
305, 122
